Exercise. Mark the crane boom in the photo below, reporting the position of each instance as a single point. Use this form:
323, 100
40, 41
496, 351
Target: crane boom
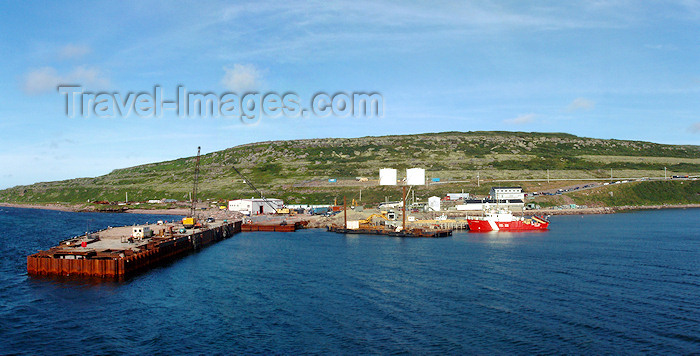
194, 187
250, 184
190, 221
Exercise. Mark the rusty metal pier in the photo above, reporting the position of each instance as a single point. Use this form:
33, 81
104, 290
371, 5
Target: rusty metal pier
115, 253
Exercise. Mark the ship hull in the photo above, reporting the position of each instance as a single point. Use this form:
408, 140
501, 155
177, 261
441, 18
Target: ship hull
479, 225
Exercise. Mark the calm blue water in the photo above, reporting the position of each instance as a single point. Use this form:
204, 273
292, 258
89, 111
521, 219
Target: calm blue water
620, 284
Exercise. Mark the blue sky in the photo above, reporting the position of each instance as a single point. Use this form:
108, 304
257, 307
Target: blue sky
605, 69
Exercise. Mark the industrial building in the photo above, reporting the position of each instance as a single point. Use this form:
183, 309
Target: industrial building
485, 204
507, 193
502, 197
457, 196
255, 206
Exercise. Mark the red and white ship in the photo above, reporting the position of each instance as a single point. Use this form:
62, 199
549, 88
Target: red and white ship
503, 220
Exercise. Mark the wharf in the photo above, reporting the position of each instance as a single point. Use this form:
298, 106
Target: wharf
113, 253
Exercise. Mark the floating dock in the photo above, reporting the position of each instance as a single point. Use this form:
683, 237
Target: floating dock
115, 253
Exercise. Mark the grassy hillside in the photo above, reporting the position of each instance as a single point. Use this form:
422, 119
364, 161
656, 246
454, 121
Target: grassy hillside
641, 193
298, 170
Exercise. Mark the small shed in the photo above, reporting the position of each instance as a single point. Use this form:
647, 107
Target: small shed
141, 232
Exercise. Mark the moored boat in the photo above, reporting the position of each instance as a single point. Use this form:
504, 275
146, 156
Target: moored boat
504, 220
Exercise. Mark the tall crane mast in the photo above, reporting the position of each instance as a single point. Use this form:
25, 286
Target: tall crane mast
194, 188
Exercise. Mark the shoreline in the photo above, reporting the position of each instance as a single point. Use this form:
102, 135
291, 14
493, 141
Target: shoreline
40, 207
185, 211
173, 211
75, 209
608, 209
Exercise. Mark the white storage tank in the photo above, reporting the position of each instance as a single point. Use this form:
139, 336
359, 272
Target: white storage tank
387, 176
415, 176
434, 203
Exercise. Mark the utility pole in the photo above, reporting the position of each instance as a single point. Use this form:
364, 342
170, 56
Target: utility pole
665, 177
127, 198
403, 226
360, 194
478, 183
548, 176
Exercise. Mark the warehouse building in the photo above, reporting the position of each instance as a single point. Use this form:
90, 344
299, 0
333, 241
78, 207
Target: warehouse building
486, 204
507, 193
457, 196
511, 198
255, 206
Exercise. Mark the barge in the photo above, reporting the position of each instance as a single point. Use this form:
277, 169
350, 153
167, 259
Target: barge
366, 226
417, 232
278, 227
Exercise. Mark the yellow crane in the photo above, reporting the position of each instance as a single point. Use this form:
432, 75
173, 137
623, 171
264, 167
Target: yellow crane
368, 221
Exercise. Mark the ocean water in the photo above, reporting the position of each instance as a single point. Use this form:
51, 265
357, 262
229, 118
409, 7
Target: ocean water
615, 284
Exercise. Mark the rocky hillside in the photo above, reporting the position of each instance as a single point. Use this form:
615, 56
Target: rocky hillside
299, 170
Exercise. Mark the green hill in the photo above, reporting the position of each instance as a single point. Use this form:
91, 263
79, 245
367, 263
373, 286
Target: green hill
298, 170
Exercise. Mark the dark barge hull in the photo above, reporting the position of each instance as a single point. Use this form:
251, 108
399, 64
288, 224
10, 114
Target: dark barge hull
429, 233
291, 227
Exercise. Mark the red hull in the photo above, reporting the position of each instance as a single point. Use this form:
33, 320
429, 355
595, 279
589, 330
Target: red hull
516, 225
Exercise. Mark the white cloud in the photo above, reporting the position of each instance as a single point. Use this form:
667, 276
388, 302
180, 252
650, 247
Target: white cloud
41, 80
71, 51
662, 47
522, 119
694, 128
87, 76
398, 26
286, 32
242, 77
581, 104
46, 79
